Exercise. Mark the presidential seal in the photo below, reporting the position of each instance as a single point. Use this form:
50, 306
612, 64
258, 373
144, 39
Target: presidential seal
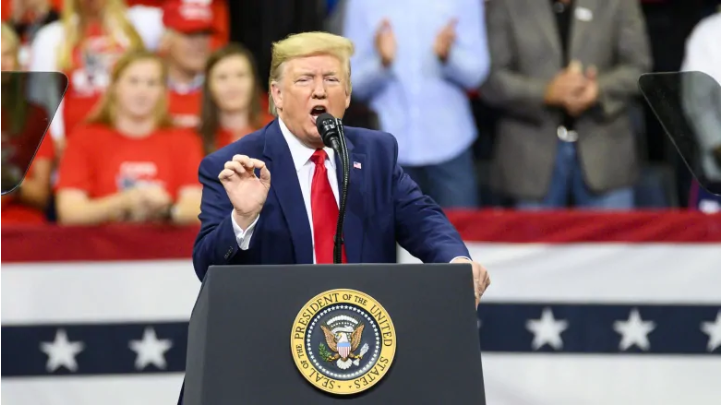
343, 341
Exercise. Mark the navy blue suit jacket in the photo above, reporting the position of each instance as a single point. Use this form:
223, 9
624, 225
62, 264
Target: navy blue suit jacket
384, 207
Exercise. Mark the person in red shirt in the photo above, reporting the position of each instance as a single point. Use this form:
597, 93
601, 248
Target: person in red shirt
23, 126
231, 98
84, 44
185, 47
129, 163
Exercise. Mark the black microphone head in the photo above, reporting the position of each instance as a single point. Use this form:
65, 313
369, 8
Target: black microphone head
327, 128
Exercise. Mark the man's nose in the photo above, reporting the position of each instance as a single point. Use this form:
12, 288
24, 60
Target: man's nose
319, 91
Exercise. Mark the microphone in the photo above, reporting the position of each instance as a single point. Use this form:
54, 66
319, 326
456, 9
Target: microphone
328, 128
331, 131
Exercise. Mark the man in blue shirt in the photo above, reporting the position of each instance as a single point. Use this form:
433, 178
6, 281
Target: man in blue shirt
414, 63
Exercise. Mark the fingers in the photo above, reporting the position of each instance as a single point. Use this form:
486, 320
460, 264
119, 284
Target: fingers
153, 197
235, 167
575, 66
243, 160
248, 162
572, 77
481, 279
485, 284
257, 163
476, 272
265, 174
450, 29
226, 174
241, 165
592, 72
573, 81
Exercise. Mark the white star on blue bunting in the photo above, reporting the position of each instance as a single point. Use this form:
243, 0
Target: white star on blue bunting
634, 331
150, 350
547, 330
61, 352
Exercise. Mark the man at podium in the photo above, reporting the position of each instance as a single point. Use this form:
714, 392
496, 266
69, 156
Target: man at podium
273, 196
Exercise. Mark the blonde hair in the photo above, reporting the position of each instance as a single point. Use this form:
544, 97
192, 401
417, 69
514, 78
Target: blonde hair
106, 111
308, 44
9, 35
114, 21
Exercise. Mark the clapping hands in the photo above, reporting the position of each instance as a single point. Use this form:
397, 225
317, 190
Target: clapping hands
444, 40
147, 203
573, 89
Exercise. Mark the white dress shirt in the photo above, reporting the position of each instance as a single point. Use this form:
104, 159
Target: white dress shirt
701, 102
702, 51
305, 169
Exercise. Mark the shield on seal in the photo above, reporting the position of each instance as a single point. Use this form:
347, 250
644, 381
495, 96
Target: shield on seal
344, 348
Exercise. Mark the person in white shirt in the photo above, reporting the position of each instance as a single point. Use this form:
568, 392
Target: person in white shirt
701, 105
702, 52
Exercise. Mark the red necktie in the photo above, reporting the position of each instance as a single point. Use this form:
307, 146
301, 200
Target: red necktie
324, 211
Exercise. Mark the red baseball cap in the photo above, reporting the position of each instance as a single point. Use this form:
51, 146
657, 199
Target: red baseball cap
188, 16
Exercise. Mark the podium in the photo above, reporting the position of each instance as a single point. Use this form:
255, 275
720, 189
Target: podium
332, 334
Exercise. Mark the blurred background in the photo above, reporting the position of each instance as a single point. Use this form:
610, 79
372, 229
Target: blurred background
521, 118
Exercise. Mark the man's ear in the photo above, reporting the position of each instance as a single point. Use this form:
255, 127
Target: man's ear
277, 95
348, 99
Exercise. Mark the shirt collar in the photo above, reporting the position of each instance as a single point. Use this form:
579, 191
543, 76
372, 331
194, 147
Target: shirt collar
301, 153
185, 88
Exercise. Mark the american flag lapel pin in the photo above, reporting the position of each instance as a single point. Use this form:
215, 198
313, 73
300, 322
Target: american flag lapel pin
357, 165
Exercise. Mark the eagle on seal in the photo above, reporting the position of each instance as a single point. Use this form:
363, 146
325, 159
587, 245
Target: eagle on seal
343, 344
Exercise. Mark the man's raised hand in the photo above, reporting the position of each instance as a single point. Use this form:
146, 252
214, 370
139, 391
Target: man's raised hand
246, 191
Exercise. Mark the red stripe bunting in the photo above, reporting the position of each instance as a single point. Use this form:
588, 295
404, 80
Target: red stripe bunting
587, 227
52, 243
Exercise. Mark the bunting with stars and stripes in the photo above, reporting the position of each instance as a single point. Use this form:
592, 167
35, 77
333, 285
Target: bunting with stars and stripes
624, 311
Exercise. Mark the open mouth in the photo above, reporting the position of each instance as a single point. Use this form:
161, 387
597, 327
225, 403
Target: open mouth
317, 111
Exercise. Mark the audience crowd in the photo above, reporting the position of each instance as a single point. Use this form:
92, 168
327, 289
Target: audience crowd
155, 85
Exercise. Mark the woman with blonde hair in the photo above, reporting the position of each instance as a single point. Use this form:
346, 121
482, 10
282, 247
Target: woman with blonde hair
128, 163
231, 101
89, 37
23, 125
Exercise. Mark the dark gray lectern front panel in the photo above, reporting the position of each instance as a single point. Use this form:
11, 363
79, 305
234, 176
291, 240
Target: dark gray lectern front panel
239, 343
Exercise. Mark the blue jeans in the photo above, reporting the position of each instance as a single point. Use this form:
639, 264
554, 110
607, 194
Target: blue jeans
568, 181
452, 184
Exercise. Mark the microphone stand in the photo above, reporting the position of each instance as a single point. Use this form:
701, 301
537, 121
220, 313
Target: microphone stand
343, 194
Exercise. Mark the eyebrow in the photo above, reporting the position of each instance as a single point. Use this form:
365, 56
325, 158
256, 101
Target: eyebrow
309, 73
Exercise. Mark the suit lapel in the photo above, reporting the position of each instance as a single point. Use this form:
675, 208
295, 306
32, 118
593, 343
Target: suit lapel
284, 184
541, 12
582, 20
353, 230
